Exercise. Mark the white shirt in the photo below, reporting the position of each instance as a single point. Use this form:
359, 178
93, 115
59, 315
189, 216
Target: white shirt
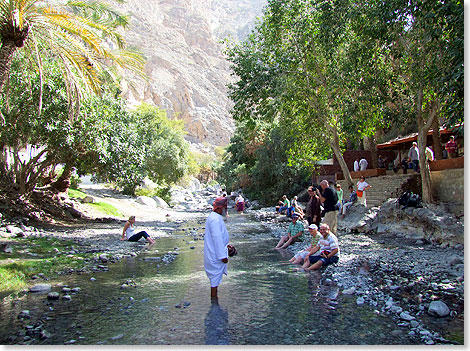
329, 244
129, 231
363, 163
362, 185
356, 166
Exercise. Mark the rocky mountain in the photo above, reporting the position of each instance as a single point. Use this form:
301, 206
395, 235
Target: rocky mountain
187, 71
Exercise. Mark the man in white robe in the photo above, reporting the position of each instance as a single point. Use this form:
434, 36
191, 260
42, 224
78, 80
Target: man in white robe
215, 245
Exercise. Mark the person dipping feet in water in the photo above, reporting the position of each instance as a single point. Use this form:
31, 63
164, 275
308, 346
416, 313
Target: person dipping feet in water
299, 257
129, 235
329, 250
294, 232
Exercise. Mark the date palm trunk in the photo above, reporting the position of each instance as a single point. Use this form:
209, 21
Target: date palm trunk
6, 57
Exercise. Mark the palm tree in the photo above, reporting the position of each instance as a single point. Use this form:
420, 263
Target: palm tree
81, 35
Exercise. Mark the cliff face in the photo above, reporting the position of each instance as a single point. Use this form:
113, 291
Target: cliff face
187, 70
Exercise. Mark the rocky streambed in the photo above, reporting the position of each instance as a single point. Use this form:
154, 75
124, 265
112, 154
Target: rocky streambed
406, 264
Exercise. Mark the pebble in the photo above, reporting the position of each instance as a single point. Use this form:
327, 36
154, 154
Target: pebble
360, 301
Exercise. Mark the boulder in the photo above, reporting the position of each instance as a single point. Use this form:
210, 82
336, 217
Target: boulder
160, 202
146, 201
88, 200
438, 309
40, 288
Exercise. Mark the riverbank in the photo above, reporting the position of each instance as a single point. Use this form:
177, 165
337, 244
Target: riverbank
396, 274
404, 275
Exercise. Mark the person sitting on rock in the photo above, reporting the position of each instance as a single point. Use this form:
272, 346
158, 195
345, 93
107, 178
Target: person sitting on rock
294, 233
328, 248
129, 235
285, 204
299, 257
352, 200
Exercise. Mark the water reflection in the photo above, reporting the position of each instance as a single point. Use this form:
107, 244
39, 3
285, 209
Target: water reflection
216, 325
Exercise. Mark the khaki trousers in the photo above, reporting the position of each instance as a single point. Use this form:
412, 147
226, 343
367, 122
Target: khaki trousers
331, 218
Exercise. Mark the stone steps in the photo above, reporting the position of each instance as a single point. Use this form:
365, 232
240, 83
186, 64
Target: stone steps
382, 188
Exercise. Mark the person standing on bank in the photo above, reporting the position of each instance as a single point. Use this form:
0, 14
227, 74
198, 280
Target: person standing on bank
215, 245
129, 235
362, 186
356, 165
313, 210
413, 154
451, 147
363, 164
329, 197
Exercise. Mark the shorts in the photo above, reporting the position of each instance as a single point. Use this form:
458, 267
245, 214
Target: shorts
325, 261
301, 254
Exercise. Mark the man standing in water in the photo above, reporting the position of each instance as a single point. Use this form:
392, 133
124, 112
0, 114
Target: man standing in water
215, 245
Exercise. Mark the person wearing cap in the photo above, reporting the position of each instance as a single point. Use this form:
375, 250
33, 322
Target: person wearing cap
294, 232
329, 250
299, 257
215, 245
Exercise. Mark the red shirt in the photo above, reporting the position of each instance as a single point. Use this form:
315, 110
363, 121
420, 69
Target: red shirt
451, 146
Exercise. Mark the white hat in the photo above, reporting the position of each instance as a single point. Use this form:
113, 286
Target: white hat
313, 226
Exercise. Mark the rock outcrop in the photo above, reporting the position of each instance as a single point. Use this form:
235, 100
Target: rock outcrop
187, 71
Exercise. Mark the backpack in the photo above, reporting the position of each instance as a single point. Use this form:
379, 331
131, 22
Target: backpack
408, 199
403, 199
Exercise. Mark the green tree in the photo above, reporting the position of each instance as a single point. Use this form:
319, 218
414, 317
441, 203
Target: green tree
423, 41
138, 144
297, 68
83, 36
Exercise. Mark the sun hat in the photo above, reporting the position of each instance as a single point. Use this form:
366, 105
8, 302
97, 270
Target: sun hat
313, 226
295, 215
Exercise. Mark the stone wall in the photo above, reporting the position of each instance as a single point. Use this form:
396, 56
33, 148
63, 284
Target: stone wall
448, 186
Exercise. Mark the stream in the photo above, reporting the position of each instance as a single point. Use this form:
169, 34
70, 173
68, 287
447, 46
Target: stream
262, 301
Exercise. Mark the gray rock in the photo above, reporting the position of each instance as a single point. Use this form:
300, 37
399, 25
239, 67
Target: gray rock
438, 309
155, 259
146, 201
406, 316
349, 291
103, 258
117, 337
360, 300
67, 297
40, 288
53, 295
160, 202
88, 200
24, 314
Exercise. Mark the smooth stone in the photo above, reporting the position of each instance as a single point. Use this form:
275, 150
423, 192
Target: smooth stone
405, 316
360, 301
53, 295
40, 288
349, 291
438, 309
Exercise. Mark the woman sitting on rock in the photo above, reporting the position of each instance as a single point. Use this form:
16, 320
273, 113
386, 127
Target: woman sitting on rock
129, 235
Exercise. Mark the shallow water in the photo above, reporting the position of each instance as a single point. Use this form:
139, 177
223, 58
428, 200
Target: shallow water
261, 301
